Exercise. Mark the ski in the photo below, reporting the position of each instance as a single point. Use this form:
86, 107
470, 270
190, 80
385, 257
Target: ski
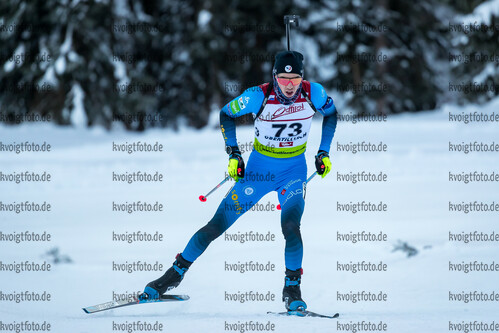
133, 301
303, 313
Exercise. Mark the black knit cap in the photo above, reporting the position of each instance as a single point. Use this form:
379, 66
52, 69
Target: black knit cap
288, 62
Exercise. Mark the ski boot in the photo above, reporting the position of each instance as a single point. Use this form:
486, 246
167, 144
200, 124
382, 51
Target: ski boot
291, 294
168, 281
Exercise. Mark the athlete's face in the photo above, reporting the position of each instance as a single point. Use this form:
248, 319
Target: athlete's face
289, 83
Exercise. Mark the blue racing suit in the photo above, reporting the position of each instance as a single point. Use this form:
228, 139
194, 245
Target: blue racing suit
277, 163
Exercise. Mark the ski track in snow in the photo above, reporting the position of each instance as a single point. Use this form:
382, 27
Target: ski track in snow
417, 194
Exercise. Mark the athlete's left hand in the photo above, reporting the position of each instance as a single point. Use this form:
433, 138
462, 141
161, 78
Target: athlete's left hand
322, 163
236, 165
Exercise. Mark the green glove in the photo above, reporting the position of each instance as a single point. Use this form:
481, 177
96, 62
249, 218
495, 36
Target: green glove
322, 163
236, 165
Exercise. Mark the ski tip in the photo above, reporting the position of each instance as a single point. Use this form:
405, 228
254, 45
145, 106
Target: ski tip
85, 310
182, 297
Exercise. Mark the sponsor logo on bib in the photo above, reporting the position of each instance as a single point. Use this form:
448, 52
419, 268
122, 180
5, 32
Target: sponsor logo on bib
284, 111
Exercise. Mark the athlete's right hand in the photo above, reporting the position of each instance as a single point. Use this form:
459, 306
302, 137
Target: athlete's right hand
236, 165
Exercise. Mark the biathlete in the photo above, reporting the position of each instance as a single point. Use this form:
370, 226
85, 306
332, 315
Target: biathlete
283, 111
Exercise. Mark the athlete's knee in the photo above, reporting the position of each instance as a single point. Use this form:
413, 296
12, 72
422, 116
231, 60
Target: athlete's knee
214, 228
290, 220
290, 226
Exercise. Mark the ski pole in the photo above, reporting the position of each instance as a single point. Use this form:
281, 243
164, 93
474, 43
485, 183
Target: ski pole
311, 176
203, 197
309, 179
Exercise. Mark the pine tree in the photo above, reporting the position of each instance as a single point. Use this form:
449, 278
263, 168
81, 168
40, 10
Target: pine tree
154, 63
67, 49
474, 58
380, 54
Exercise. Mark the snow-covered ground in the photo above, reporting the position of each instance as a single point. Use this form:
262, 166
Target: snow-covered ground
417, 194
